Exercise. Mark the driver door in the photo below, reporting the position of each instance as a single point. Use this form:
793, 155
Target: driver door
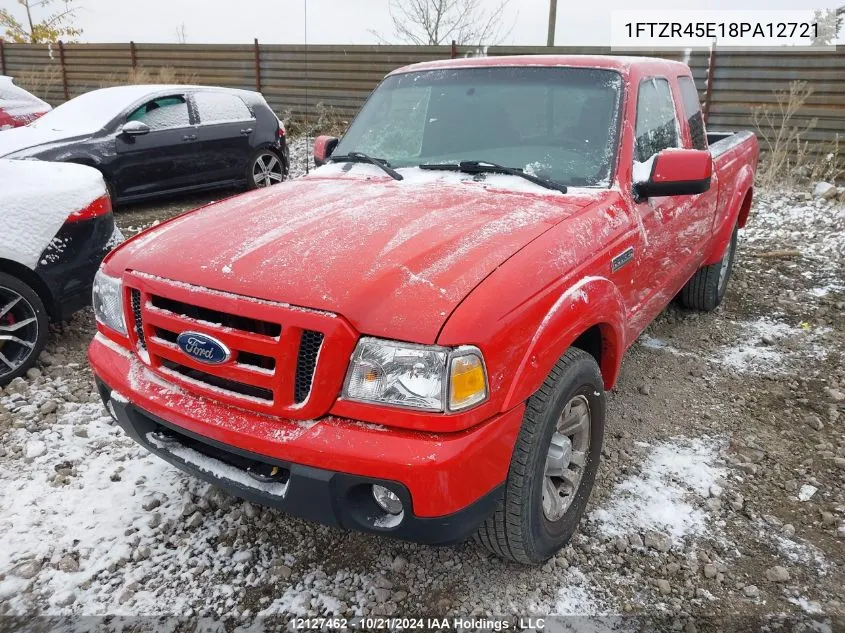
165, 159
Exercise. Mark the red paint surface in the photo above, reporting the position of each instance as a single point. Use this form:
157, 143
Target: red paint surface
520, 275
8, 119
682, 166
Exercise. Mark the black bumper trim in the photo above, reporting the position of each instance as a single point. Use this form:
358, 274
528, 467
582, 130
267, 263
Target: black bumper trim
325, 496
68, 265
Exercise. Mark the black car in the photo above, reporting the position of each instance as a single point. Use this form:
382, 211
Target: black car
154, 140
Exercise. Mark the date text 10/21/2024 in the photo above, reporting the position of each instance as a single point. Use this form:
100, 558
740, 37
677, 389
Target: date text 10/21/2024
372, 623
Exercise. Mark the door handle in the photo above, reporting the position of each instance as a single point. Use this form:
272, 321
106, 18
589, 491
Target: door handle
246, 131
189, 137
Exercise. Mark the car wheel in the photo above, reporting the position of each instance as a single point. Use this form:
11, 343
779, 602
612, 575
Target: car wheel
553, 466
708, 285
23, 328
265, 169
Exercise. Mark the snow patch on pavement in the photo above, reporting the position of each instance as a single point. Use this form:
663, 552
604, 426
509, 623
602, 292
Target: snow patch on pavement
767, 346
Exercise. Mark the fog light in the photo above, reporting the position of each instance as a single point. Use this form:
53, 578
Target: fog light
387, 500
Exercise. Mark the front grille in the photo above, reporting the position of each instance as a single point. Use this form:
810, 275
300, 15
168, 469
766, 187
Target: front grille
136, 315
232, 386
276, 349
309, 349
214, 317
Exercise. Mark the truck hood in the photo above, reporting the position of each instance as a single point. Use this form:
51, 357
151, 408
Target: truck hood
393, 257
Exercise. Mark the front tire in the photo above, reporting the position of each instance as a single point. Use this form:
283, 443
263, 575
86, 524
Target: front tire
706, 290
265, 169
553, 466
23, 328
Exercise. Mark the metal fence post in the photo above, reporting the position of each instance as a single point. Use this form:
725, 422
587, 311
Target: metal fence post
257, 66
454, 49
133, 55
2, 57
64, 69
708, 92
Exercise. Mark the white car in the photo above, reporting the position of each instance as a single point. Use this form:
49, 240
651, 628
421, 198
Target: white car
56, 225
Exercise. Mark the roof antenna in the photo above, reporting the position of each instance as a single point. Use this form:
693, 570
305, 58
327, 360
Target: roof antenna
307, 119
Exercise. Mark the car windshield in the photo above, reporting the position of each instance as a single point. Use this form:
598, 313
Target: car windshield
87, 113
557, 123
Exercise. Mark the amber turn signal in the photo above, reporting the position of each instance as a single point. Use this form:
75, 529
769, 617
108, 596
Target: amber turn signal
467, 382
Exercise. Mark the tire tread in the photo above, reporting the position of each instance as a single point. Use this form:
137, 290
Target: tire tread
502, 532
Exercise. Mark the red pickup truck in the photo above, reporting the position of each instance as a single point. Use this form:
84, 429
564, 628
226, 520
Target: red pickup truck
417, 338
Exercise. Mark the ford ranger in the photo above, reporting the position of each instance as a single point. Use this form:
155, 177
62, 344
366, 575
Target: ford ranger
417, 338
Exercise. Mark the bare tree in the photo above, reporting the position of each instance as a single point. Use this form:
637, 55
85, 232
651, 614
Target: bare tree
182, 34
437, 22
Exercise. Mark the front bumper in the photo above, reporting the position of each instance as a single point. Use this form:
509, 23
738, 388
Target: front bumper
449, 483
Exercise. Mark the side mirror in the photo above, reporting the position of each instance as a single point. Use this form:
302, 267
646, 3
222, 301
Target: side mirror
323, 148
135, 128
673, 172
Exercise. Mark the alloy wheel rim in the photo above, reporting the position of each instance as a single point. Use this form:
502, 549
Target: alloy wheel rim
267, 170
567, 458
18, 330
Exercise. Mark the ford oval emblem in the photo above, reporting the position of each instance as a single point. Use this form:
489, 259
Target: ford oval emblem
202, 348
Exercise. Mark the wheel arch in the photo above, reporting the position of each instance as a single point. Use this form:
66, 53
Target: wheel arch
590, 316
736, 214
31, 279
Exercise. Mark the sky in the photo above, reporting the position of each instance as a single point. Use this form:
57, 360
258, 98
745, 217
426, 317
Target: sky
351, 21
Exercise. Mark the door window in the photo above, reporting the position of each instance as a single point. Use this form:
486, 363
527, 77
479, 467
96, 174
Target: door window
221, 107
692, 110
657, 126
163, 113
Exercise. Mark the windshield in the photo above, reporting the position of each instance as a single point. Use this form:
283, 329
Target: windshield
556, 123
86, 113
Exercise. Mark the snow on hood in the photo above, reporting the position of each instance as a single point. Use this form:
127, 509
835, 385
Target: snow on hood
21, 138
393, 257
36, 199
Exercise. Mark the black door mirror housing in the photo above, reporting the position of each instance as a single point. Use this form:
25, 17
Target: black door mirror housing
323, 148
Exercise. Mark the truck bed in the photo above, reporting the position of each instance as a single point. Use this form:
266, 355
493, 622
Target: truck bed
721, 142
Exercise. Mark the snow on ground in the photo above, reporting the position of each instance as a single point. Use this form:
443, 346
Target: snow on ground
657, 499
813, 226
89, 517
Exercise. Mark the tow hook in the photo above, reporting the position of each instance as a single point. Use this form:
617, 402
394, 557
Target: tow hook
266, 473
163, 438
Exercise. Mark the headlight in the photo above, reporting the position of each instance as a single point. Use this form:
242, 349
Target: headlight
108, 302
428, 378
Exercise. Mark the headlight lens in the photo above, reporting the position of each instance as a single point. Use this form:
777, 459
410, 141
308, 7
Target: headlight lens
416, 376
108, 302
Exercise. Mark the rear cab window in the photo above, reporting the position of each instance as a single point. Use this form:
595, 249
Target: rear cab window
656, 126
221, 107
692, 112
163, 113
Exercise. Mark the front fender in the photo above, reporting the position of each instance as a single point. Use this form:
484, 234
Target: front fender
729, 215
592, 301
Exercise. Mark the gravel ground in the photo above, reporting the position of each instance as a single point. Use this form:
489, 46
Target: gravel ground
722, 488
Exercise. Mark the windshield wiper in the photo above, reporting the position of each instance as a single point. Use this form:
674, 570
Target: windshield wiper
360, 157
486, 167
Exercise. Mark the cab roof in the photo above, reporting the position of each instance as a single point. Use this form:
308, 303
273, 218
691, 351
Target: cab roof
621, 63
